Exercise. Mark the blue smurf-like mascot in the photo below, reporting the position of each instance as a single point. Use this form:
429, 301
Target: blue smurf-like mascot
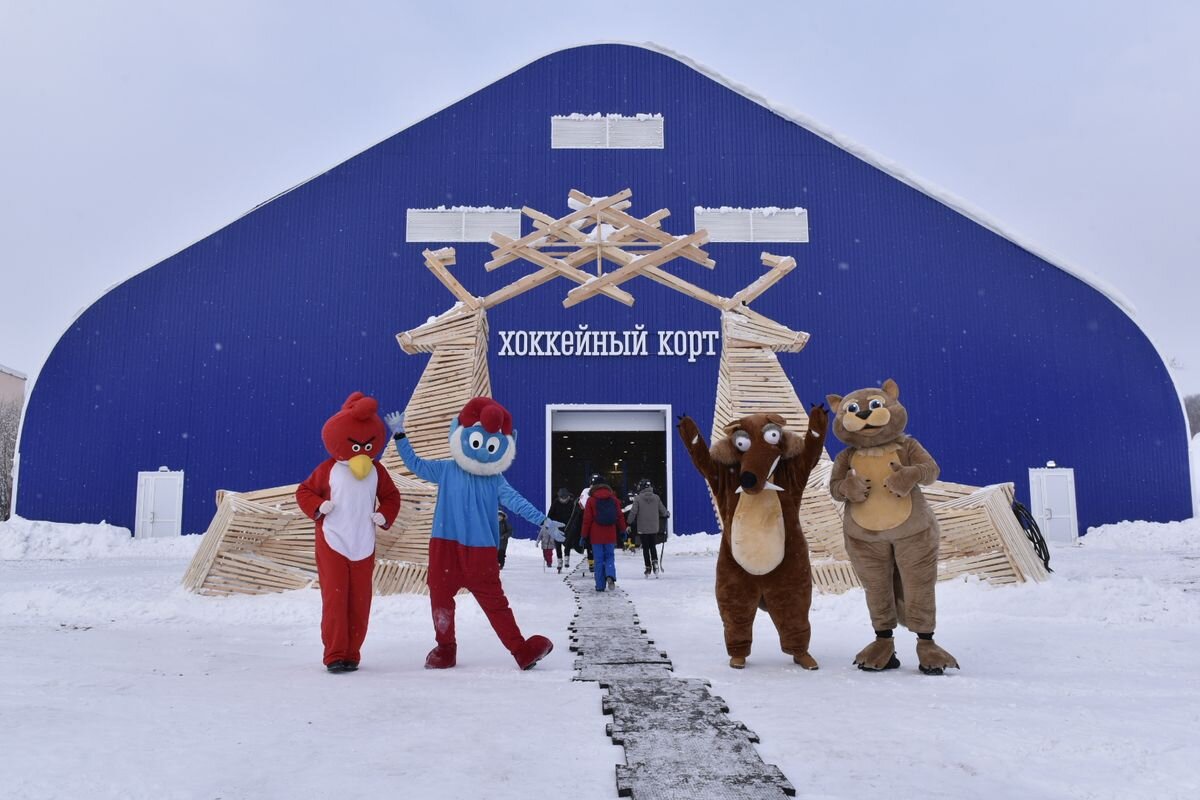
466, 532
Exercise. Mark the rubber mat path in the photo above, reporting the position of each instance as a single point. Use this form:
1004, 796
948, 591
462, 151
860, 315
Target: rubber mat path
679, 740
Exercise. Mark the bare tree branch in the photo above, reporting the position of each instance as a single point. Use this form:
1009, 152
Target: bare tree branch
10, 419
1192, 404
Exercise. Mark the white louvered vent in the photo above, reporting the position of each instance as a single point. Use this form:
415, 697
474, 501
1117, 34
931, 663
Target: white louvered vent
728, 224
611, 131
461, 224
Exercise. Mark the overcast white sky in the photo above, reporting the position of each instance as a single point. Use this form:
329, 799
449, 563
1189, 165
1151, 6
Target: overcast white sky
129, 129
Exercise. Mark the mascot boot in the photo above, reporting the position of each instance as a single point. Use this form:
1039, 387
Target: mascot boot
444, 656
879, 654
933, 660
534, 650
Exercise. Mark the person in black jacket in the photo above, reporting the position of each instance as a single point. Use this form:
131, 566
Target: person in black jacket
505, 535
564, 509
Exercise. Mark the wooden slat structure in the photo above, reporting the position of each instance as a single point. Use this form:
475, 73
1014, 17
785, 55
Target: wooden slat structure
980, 533
260, 542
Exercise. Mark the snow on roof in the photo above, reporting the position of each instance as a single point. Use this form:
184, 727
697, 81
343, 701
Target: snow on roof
862, 153
598, 115
885, 165
460, 209
891, 168
12, 372
766, 211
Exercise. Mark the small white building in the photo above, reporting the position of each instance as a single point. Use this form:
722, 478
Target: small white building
12, 398
12, 385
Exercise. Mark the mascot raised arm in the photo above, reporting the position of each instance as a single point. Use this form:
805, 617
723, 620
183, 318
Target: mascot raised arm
466, 529
757, 474
890, 531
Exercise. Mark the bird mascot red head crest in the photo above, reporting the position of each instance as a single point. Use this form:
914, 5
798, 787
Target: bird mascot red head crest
356, 434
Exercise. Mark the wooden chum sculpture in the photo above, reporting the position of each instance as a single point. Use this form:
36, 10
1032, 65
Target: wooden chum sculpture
259, 542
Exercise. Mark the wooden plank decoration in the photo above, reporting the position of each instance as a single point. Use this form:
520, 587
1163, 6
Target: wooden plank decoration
635, 266
260, 542
980, 534
438, 261
565, 269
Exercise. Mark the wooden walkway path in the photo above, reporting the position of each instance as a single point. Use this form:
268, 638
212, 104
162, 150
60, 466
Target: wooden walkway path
679, 740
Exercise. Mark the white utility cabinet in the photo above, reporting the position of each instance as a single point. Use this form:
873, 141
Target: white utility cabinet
1052, 503
159, 504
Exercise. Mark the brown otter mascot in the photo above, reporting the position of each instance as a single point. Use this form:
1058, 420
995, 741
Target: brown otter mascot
890, 532
757, 474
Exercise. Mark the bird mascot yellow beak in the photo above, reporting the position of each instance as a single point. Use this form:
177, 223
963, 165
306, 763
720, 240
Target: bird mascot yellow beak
361, 466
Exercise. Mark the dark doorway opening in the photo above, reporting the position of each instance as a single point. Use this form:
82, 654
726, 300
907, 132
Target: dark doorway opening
622, 457
624, 444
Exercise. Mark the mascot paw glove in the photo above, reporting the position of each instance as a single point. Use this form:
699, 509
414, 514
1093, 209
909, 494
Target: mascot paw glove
554, 528
902, 479
326, 507
378, 519
395, 422
854, 488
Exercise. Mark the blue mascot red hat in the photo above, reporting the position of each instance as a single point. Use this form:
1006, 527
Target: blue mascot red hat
486, 412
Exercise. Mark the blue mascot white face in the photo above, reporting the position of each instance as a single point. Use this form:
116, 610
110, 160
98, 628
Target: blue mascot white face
480, 451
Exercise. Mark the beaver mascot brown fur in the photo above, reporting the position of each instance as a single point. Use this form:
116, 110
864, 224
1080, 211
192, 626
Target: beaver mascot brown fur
757, 474
889, 529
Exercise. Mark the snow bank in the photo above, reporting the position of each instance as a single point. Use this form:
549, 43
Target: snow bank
1155, 536
695, 544
30, 539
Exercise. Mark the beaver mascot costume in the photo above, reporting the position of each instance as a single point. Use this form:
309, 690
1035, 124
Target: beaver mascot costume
889, 529
757, 474
341, 495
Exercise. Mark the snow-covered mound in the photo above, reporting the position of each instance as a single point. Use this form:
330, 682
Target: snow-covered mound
699, 544
1183, 535
31, 539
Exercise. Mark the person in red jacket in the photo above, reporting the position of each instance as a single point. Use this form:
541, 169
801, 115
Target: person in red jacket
602, 521
341, 495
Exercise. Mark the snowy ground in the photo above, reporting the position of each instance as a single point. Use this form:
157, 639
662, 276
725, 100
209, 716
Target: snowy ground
116, 683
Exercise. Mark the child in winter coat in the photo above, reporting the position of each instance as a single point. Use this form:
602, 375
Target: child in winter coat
546, 542
602, 520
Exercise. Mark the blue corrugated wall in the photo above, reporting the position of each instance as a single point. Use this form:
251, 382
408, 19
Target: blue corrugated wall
225, 359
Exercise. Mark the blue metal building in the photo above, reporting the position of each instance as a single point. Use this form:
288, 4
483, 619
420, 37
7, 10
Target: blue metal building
225, 359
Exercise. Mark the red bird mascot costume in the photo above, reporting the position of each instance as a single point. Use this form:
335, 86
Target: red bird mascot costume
340, 495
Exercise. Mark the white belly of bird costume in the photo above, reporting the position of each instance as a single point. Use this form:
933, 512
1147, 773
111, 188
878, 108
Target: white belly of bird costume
349, 529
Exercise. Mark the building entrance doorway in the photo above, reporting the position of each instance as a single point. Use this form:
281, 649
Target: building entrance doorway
622, 443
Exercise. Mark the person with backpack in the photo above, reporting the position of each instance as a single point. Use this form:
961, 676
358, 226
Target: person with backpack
583, 545
602, 521
647, 513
